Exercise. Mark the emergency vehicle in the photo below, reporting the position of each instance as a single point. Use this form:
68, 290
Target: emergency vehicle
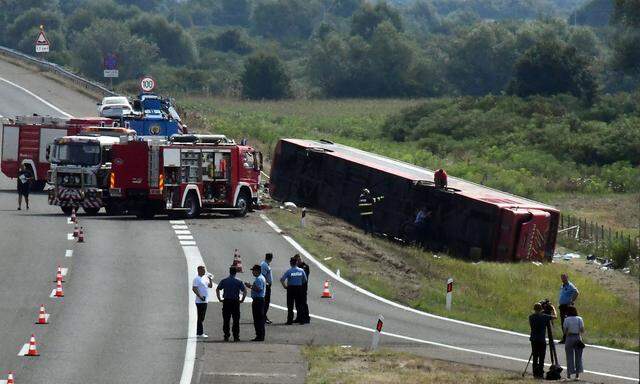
25, 141
187, 174
80, 167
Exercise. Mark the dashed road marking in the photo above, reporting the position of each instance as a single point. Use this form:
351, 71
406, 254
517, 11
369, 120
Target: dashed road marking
176, 221
187, 242
179, 227
182, 232
185, 237
70, 236
68, 253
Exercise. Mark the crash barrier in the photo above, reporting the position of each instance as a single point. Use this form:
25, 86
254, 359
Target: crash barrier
596, 239
57, 70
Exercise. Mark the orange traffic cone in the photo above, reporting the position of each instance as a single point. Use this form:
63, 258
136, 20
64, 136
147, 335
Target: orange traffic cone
74, 218
326, 294
32, 347
59, 276
42, 316
75, 230
81, 235
59, 291
10, 378
237, 261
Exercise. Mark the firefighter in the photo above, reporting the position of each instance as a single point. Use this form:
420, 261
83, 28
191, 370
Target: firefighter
295, 278
440, 179
366, 204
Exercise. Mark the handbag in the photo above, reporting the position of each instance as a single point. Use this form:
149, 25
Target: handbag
580, 344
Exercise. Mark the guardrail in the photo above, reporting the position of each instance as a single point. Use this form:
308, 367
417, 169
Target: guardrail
58, 70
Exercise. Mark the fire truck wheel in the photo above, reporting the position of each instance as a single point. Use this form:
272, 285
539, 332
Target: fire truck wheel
91, 211
114, 209
242, 204
66, 210
193, 206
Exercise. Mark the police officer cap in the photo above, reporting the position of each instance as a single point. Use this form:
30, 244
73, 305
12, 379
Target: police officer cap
256, 268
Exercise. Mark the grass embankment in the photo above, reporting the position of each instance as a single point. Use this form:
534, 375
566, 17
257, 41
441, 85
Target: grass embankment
355, 366
494, 294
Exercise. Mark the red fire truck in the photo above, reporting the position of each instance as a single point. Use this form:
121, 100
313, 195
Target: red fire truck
187, 174
25, 141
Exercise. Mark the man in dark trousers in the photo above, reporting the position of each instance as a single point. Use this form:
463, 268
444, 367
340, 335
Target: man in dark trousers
200, 287
265, 270
292, 281
538, 322
366, 204
258, 291
231, 287
567, 298
303, 316
24, 186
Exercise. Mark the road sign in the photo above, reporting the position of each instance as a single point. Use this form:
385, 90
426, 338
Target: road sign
42, 44
110, 73
376, 334
110, 64
147, 84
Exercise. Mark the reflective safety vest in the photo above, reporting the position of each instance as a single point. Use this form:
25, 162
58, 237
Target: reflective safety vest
366, 203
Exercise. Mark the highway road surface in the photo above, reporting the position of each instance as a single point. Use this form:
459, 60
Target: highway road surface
127, 313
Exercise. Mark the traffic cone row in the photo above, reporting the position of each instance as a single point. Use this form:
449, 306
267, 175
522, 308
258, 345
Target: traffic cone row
59, 276
74, 218
59, 291
237, 261
81, 235
10, 378
326, 293
33, 351
42, 316
76, 230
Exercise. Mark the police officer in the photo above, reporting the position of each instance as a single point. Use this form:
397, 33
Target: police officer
231, 303
366, 203
258, 291
265, 270
294, 278
303, 317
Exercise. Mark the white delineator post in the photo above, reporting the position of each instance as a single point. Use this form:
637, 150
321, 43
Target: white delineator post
449, 292
303, 214
376, 334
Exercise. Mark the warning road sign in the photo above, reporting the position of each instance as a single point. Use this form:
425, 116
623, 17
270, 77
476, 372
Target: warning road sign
42, 44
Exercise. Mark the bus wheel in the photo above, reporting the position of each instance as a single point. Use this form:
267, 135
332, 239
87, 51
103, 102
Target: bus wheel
91, 211
192, 205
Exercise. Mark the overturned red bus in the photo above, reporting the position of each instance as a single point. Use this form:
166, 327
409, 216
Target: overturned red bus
470, 220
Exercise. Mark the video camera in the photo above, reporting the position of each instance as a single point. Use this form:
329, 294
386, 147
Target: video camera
546, 306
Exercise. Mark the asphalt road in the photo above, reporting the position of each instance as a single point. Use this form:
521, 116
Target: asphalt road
124, 315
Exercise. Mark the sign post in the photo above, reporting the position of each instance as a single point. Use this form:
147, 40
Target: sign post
449, 292
110, 64
147, 84
376, 334
42, 44
302, 216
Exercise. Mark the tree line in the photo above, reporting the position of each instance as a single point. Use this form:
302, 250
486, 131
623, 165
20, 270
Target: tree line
340, 48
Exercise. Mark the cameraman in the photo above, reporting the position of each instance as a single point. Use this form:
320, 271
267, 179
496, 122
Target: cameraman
543, 313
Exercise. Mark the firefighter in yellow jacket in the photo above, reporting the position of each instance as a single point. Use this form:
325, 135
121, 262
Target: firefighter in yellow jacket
366, 204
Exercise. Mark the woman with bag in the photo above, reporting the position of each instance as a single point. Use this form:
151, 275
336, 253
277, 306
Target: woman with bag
573, 327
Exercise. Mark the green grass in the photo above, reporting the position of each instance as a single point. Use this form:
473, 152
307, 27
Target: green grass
494, 294
331, 364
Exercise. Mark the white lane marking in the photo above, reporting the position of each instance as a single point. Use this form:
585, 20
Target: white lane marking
182, 232
36, 97
187, 242
68, 253
24, 350
422, 341
185, 237
176, 221
69, 220
194, 259
70, 236
180, 226
397, 305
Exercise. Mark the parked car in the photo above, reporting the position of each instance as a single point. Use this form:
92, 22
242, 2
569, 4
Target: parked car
115, 106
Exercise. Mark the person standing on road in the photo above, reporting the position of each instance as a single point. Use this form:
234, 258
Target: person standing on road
231, 287
200, 287
303, 316
366, 204
573, 328
568, 295
24, 185
538, 321
265, 270
258, 292
294, 278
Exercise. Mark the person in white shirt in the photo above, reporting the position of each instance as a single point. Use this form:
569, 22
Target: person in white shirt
201, 285
573, 328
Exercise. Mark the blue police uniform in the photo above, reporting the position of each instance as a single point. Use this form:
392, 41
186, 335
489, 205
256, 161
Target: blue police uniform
265, 270
295, 278
231, 287
258, 292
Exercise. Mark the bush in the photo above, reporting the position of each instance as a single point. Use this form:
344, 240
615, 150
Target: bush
265, 77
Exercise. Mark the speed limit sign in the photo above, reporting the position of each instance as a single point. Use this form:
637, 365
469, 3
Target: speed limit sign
147, 84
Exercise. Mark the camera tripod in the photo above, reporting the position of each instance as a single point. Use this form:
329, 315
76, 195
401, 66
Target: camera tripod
555, 369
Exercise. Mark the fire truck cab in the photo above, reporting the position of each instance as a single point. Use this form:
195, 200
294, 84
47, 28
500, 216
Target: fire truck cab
186, 174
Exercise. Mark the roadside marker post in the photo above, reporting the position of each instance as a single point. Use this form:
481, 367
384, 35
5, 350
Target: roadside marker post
449, 292
376, 334
302, 216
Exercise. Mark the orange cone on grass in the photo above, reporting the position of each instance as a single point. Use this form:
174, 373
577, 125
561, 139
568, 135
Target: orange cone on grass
42, 316
33, 351
326, 293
